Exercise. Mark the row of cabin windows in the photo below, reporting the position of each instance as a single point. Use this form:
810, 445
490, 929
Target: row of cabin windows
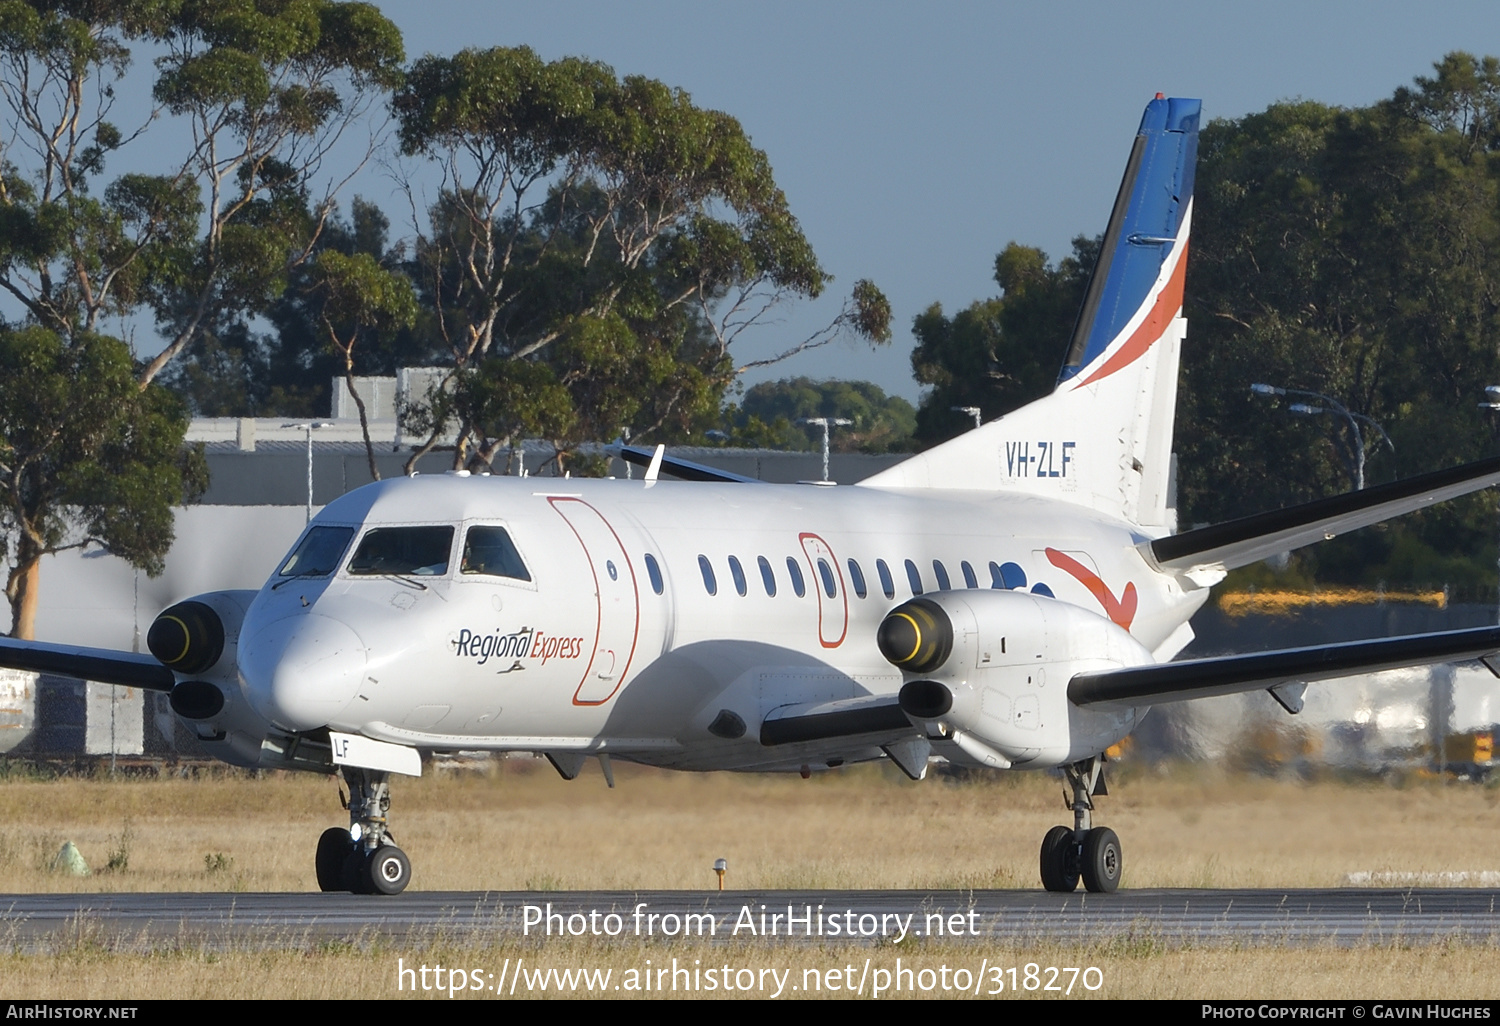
1004, 576
488, 550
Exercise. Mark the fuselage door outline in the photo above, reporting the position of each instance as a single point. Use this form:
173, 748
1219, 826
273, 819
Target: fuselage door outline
618, 599
833, 611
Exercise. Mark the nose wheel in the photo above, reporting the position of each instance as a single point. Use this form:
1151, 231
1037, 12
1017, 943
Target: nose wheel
334, 849
1084, 852
362, 859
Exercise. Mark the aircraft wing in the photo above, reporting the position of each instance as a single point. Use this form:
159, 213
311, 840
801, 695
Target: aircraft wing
1227, 675
1253, 538
127, 669
683, 469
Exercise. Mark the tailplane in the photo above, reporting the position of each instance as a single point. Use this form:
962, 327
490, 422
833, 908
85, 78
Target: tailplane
1103, 438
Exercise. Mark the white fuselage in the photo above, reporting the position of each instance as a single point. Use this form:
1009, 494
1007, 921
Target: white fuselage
598, 652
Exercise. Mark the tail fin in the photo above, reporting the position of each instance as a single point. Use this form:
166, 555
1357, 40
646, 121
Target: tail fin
1103, 438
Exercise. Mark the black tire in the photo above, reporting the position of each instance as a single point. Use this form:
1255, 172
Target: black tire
1059, 860
356, 875
1101, 863
389, 870
333, 848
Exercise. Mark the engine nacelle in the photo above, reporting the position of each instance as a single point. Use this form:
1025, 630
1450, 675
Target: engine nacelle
989, 671
198, 640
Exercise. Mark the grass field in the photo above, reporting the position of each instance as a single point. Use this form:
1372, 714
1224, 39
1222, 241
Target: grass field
517, 826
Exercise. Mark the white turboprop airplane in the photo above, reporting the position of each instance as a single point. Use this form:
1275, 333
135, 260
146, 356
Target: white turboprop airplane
1008, 599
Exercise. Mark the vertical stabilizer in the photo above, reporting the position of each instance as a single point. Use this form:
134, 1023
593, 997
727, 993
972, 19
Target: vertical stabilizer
1103, 438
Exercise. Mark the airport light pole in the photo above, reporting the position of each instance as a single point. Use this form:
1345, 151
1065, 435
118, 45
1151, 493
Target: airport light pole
825, 423
1332, 405
309, 426
972, 411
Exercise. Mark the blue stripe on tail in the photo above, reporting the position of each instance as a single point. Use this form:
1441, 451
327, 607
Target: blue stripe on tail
1157, 186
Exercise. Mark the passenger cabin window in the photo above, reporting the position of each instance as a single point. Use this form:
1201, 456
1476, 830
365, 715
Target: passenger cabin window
709, 583
405, 551
1007, 576
318, 554
489, 551
795, 571
857, 578
738, 573
767, 575
653, 571
969, 579
913, 578
942, 575
887, 585
826, 572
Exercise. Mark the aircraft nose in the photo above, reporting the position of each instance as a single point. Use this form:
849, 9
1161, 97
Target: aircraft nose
300, 672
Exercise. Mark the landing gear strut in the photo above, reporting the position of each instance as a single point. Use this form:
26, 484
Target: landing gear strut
362, 860
1086, 851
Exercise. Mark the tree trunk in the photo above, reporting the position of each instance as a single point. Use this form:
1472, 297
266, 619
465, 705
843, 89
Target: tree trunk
359, 404
21, 591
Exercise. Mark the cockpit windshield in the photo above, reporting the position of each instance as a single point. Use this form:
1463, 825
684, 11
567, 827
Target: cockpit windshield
318, 554
414, 551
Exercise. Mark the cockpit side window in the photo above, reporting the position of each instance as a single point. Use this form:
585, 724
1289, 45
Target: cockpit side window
415, 551
489, 550
318, 554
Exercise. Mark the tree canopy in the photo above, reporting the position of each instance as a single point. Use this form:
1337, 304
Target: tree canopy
265, 88
1350, 252
767, 417
597, 246
86, 456
999, 354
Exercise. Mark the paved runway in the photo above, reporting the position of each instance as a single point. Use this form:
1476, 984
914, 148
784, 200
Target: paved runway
41, 922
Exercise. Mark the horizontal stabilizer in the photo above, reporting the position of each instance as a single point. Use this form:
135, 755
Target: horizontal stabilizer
1253, 538
127, 669
1227, 675
683, 469
818, 721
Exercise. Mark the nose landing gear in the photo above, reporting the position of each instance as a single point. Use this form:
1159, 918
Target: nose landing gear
362, 860
1086, 851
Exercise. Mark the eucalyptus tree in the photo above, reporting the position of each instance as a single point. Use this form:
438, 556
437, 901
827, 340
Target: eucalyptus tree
771, 413
607, 231
357, 295
1000, 353
208, 221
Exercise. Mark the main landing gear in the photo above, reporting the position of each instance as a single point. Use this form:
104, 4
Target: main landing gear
1086, 851
362, 860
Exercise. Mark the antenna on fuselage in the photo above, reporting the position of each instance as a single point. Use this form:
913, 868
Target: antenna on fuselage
655, 468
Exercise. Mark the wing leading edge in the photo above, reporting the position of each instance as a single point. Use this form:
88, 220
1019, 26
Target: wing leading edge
127, 669
1250, 539
1227, 675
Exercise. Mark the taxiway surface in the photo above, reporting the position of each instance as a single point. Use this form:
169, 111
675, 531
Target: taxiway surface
218, 921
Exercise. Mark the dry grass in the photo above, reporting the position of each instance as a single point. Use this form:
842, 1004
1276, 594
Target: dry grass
519, 827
